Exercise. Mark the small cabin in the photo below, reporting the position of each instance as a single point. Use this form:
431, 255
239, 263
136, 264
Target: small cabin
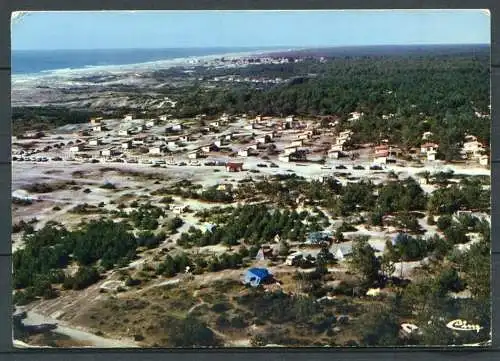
234, 167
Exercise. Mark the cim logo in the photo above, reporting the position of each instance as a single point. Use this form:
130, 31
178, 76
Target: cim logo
461, 325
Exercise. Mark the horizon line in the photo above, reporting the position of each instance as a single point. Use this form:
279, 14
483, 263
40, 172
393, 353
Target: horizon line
277, 47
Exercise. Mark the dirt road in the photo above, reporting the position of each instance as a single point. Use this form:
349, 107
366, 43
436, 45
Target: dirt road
76, 333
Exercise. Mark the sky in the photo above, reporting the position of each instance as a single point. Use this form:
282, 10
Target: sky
195, 29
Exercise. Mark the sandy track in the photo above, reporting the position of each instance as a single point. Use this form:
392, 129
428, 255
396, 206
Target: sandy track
78, 334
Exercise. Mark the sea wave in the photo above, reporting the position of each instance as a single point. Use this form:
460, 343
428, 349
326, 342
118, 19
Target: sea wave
143, 66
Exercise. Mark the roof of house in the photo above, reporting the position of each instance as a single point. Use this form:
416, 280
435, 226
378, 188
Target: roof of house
382, 153
426, 145
259, 272
343, 248
317, 236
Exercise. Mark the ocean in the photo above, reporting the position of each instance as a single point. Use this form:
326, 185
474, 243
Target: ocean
40, 61
34, 62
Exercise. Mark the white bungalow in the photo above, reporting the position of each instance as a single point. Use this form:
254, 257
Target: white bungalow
243, 152
76, 148
431, 155
297, 143
334, 154
195, 155
428, 147
427, 135
342, 251
484, 160
108, 152
155, 150
337, 148
127, 144
290, 150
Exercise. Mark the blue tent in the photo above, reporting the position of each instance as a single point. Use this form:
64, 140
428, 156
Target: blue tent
255, 276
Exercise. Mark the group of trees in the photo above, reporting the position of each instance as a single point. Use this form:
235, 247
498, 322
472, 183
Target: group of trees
468, 194
47, 252
406, 248
256, 224
173, 265
188, 332
146, 216
46, 117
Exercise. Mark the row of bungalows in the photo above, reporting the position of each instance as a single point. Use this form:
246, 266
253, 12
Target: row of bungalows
267, 121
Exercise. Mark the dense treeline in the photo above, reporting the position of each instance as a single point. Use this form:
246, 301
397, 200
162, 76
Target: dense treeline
408, 85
